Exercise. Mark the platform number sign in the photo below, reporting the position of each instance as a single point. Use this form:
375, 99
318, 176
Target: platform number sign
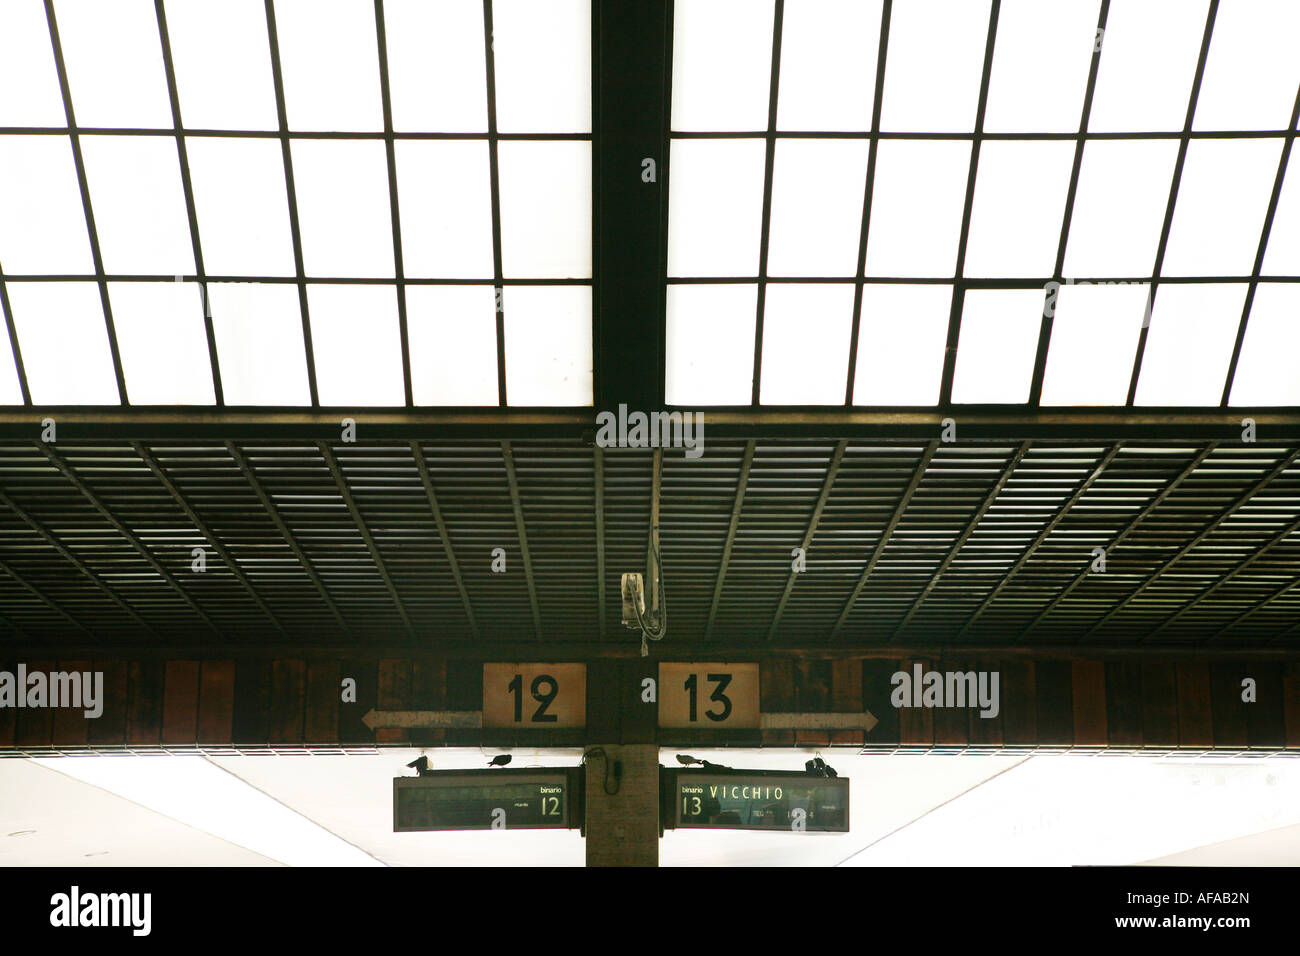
703, 696
534, 696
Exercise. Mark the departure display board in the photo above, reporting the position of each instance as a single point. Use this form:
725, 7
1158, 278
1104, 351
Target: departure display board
497, 799
758, 800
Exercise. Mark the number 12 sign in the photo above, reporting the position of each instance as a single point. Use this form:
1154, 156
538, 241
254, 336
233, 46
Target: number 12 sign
539, 696
708, 695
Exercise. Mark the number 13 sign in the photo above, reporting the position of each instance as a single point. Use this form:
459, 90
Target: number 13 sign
708, 695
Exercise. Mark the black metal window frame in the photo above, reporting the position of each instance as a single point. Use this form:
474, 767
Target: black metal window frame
960, 283
286, 136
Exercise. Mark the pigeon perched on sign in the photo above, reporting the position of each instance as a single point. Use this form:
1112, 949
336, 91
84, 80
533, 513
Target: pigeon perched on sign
421, 765
500, 760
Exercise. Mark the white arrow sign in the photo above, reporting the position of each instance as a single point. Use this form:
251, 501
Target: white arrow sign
423, 719
863, 721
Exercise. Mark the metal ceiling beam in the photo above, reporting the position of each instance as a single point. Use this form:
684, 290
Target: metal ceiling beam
957, 545
579, 651
7, 313
426, 479
394, 209
958, 296
883, 541
995, 423
508, 455
1267, 229
832, 469
868, 192
53, 605
291, 193
131, 538
1049, 312
1172, 202
1258, 606
1151, 578
1241, 566
250, 476
494, 186
53, 541
187, 187
765, 227
598, 462
204, 529
1043, 535
1133, 522
79, 163
341, 482
742, 485
631, 93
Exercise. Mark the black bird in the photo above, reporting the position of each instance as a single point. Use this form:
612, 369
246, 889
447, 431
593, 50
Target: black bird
500, 760
421, 765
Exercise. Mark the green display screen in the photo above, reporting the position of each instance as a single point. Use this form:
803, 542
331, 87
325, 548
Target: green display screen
785, 802
485, 801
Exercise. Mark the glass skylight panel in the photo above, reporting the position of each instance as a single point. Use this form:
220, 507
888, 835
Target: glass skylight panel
542, 57
902, 334
113, 55
163, 342
1189, 345
437, 71
29, 82
1019, 201
206, 39
260, 352
1119, 208
806, 330
545, 209
343, 208
709, 354
1222, 199
916, 207
715, 207
64, 343
445, 201
1148, 62
453, 341
828, 68
722, 64
1040, 66
816, 224
1266, 369
139, 204
11, 390
935, 61
329, 58
241, 206
1282, 257
357, 343
1095, 332
548, 345
997, 346
42, 221
1252, 69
